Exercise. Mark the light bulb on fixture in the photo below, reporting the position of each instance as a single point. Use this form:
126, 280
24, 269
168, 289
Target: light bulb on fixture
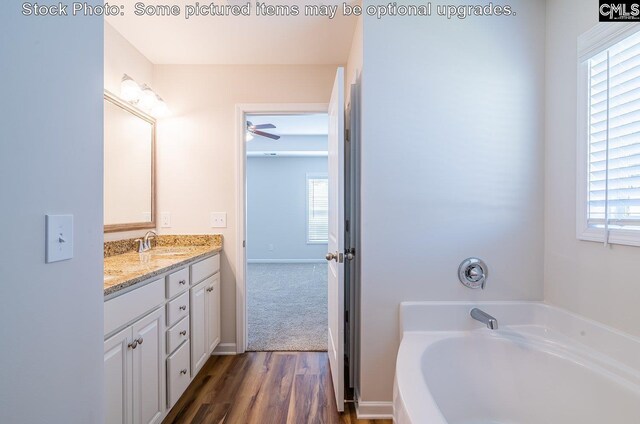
249, 136
160, 108
129, 89
147, 98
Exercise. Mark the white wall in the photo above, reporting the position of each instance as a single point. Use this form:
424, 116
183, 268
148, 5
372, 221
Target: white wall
354, 64
452, 167
196, 146
584, 277
277, 208
121, 57
50, 162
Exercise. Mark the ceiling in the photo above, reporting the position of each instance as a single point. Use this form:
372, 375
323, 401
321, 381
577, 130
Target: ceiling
309, 124
246, 40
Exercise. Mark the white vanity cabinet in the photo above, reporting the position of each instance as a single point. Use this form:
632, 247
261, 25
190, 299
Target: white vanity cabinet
205, 312
134, 372
158, 335
198, 330
212, 306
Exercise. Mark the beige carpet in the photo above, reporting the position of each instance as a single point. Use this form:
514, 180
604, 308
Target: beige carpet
287, 307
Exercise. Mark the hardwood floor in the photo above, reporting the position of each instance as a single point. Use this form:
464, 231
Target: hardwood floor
263, 388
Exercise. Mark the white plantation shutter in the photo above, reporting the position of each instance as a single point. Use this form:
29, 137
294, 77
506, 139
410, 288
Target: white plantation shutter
317, 209
614, 136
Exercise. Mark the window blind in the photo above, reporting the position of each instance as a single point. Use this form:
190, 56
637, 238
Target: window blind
318, 209
614, 136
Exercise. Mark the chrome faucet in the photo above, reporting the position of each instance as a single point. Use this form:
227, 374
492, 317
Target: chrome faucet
145, 243
485, 318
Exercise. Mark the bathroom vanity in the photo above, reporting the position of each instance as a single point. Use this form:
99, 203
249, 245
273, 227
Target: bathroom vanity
161, 324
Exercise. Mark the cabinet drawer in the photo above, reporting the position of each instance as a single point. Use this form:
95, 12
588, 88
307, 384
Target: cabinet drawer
204, 268
177, 309
125, 308
178, 374
177, 282
177, 334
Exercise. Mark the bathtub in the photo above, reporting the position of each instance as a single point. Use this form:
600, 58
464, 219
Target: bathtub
543, 365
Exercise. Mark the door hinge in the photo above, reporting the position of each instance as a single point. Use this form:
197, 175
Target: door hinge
346, 225
350, 253
346, 135
244, 243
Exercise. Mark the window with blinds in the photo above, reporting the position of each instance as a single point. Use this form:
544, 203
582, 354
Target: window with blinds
613, 199
317, 209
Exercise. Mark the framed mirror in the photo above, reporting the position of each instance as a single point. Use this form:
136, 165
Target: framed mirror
129, 167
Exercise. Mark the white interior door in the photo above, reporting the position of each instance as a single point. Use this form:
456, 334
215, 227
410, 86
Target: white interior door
335, 254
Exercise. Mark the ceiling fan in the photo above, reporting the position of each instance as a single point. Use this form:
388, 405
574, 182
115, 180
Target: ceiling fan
255, 129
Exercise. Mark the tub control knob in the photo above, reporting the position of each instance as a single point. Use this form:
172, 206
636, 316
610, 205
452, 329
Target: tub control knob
473, 273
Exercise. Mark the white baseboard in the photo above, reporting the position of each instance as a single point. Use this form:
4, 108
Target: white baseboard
224, 349
366, 410
286, 261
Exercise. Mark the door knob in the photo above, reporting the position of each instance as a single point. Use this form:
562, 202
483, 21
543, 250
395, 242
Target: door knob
332, 257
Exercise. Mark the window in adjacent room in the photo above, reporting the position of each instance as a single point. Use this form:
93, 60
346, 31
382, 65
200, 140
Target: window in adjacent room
317, 208
609, 135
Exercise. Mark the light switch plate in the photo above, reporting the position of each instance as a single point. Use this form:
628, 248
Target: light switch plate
219, 219
59, 237
165, 220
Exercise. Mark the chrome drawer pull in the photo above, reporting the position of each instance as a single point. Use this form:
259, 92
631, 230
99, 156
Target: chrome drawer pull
183, 308
182, 282
183, 333
184, 371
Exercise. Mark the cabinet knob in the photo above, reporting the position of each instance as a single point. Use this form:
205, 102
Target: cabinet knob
133, 344
183, 308
210, 289
184, 371
140, 340
183, 333
182, 282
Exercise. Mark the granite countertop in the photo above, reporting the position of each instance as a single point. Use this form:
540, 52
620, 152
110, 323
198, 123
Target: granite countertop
126, 269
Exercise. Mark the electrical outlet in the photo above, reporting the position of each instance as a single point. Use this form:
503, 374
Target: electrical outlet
219, 219
165, 219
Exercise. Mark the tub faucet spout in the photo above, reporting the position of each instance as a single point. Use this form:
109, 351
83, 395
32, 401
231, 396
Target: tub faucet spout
485, 318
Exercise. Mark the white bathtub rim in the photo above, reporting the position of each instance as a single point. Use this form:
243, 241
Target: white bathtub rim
621, 346
413, 401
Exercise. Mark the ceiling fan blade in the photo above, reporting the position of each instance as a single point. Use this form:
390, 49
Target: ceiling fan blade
263, 126
264, 134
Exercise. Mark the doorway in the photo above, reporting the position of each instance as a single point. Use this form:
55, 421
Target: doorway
287, 231
337, 253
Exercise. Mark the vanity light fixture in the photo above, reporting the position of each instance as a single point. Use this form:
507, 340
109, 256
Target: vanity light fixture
142, 96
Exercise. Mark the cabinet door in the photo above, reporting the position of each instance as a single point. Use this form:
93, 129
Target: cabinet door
149, 368
198, 326
212, 302
117, 378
